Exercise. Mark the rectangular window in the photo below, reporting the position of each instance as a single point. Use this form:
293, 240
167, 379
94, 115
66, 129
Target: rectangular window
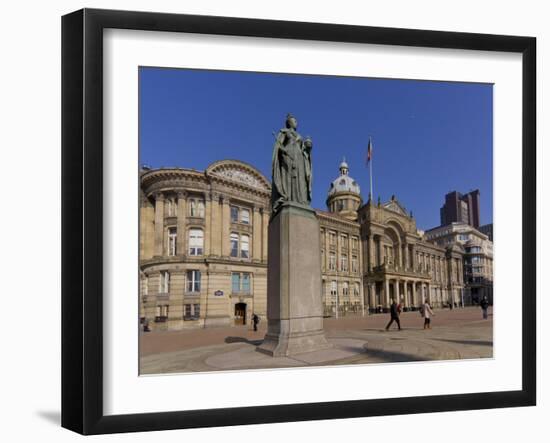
164, 282
234, 214
235, 282
245, 216
193, 281
240, 283
192, 311
332, 261
246, 283
344, 263
172, 207
234, 240
245, 242
333, 288
172, 240
196, 241
354, 264
323, 259
332, 238
162, 314
196, 207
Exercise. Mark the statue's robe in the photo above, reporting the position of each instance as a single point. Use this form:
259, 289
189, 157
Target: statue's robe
291, 170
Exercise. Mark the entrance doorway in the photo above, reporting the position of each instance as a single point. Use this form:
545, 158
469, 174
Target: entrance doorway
240, 314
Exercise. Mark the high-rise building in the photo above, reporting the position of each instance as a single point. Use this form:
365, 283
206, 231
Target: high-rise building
461, 208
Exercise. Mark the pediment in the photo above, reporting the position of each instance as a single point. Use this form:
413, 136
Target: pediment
239, 172
395, 206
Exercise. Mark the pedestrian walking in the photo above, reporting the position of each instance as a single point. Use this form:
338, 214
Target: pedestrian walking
255, 321
485, 307
394, 315
427, 313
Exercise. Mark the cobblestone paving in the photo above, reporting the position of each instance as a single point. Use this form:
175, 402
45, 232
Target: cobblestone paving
456, 334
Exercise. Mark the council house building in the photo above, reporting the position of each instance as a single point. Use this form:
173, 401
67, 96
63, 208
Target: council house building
203, 249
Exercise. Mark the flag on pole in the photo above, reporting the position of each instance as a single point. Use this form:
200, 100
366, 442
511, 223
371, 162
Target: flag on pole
369, 151
369, 164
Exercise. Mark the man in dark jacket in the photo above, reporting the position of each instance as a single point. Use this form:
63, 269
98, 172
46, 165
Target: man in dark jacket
255, 321
485, 307
394, 314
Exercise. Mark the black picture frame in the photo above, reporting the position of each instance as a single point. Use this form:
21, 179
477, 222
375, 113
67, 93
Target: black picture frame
82, 215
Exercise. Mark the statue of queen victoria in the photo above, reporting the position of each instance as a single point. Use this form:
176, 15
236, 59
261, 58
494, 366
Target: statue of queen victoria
291, 167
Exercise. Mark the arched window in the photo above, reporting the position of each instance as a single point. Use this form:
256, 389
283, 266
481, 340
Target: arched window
345, 288
196, 241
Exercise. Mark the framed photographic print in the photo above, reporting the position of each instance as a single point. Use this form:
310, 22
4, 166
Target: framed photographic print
269, 221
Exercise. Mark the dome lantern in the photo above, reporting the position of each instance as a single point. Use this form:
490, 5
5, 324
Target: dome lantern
344, 195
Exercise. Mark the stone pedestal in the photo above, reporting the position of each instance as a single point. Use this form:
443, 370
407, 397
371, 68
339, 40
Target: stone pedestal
294, 305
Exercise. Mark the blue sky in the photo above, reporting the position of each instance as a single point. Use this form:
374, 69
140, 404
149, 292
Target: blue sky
429, 138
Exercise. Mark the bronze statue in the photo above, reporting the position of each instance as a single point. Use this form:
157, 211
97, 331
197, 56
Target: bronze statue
291, 167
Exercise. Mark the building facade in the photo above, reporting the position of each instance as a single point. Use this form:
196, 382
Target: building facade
478, 258
203, 245
203, 249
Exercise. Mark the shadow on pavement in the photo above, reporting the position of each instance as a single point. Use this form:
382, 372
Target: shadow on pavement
467, 342
394, 357
242, 340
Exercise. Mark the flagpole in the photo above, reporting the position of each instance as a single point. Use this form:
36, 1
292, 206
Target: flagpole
370, 168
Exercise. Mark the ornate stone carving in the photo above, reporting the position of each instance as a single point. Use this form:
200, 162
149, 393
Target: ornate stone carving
241, 177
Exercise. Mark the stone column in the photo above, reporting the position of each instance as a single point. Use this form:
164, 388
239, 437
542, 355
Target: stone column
215, 225
226, 224
338, 252
370, 248
159, 224
414, 302
257, 235
265, 224
207, 224
372, 303
327, 249
399, 292
386, 293
182, 208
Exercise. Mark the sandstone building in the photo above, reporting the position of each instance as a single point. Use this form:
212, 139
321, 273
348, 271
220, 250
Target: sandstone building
203, 249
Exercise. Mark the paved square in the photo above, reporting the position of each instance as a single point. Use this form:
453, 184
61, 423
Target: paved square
455, 334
